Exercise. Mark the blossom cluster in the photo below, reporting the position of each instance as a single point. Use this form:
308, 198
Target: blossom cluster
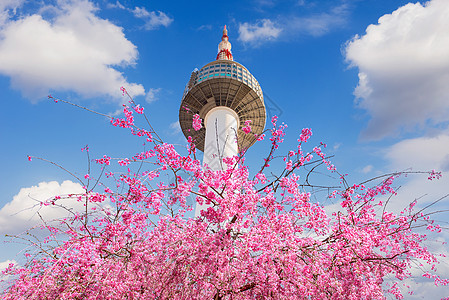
262, 236
197, 122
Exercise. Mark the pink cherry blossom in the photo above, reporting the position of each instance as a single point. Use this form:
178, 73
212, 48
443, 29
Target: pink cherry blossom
262, 236
197, 122
247, 127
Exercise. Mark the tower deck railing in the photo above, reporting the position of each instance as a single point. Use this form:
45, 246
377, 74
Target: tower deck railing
224, 69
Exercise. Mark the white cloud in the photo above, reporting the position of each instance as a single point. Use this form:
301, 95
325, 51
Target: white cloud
5, 282
422, 154
265, 3
74, 51
204, 27
319, 24
8, 8
316, 25
152, 95
175, 127
262, 31
153, 19
21, 213
367, 169
403, 64
336, 146
403, 67
5, 264
116, 5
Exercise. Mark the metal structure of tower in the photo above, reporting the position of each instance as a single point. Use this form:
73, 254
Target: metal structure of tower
225, 95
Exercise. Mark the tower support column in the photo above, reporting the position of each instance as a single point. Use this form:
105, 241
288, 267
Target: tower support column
221, 124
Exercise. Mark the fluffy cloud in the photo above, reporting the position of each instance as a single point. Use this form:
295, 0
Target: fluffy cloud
5, 279
367, 169
152, 94
153, 19
316, 25
117, 4
74, 50
403, 67
5, 264
21, 213
319, 24
403, 64
422, 154
262, 31
8, 8
175, 127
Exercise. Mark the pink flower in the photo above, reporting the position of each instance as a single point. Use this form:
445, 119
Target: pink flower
247, 128
197, 122
434, 175
124, 162
261, 137
306, 133
138, 109
106, 160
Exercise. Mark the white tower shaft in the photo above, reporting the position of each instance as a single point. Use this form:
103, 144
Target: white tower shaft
221, 125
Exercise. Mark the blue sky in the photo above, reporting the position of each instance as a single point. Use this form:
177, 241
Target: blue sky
369, 77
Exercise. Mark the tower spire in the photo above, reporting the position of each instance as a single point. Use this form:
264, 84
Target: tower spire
224, 48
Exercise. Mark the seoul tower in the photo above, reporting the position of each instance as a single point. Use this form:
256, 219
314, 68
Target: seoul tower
225, 95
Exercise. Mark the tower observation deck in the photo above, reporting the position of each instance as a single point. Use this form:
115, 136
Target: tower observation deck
227, 86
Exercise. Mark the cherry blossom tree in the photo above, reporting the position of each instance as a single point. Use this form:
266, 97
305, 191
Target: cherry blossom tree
263, 235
